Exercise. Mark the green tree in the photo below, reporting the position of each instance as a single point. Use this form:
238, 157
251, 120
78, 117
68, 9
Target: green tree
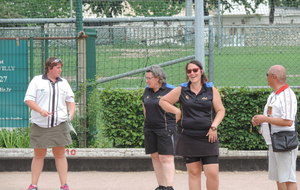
250, 8
281, 3
157, 8
105, 8
34, 8
228, 5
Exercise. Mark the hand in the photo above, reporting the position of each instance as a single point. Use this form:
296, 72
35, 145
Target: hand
212, 136
178, 115
71, 117
258, 119
45, 113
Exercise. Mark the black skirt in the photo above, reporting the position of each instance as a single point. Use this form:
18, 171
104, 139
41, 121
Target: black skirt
195, 146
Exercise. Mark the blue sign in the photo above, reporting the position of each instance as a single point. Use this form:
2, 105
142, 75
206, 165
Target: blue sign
13, 83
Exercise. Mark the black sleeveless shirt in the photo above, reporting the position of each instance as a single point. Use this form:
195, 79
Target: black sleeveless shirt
197, 109
197, 117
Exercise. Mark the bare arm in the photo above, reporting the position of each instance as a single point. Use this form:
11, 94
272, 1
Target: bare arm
144, 110
218, 107
258, 119
34, 106
220, 113
71, 108
167, 102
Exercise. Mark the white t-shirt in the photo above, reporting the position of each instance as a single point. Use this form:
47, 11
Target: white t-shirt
280, 104
51, 97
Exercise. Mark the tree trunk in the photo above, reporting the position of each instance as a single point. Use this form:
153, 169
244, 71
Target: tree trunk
272, 11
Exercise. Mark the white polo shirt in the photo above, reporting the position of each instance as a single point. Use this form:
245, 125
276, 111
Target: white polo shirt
282, 104
51, 97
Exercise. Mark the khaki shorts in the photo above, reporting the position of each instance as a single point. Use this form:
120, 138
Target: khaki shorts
282, 165
58, 136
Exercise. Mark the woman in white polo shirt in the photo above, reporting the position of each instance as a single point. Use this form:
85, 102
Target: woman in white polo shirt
51, 101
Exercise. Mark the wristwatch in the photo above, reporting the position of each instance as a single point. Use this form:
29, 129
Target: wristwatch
213, 128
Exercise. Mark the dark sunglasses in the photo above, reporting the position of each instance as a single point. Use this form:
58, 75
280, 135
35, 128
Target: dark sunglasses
189, 71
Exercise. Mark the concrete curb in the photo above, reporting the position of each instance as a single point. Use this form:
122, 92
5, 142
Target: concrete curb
126, 159
116, 152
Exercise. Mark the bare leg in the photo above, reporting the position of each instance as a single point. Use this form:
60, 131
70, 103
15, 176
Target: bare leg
157, 168
194, 173
61, 163
291, 185
211, 172
168, 169
37, 164
281, 186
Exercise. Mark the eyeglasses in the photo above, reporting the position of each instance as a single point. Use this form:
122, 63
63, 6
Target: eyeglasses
195, 70
148, 78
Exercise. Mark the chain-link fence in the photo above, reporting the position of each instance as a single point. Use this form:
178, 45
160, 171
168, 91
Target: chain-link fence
135, 34
240, 43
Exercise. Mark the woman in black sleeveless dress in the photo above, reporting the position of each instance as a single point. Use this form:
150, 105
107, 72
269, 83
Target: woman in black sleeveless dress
201, 111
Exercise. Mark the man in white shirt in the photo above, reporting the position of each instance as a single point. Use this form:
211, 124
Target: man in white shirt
280, 111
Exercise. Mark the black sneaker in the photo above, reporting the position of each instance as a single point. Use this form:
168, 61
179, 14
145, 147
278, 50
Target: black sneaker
160, 188
168, 188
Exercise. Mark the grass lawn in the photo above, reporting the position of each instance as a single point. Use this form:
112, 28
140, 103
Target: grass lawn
233, 66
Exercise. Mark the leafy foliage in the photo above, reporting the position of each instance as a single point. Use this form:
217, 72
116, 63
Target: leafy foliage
236, 130
123, 117
163, 8
34, 9
105, 8
16, 138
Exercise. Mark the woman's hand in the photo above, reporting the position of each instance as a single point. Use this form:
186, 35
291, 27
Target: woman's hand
45, 113
212, 135
178, 115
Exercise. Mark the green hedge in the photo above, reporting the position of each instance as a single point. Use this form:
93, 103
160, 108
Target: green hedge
123, 118
115, 119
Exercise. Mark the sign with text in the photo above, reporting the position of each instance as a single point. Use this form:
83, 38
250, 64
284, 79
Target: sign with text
13, 83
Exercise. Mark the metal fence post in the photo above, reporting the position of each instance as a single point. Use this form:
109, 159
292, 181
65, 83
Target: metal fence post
211, 52
188, 24
78, 15
90, 54
90, 70
31, 57
81, 54
199, 32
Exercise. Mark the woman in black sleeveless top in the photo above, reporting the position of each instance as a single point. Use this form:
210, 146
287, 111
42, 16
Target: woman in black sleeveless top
201, 111
159, 128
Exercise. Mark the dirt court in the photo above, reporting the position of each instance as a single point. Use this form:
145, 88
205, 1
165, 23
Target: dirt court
256, 180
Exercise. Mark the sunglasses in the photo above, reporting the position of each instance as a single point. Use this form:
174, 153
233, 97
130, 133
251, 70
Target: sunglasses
189, 71
56, 61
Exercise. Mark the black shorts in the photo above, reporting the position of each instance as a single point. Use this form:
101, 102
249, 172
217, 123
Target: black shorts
204, 159
160, 140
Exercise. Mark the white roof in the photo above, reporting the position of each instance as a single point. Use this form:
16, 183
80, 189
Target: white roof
263, 9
